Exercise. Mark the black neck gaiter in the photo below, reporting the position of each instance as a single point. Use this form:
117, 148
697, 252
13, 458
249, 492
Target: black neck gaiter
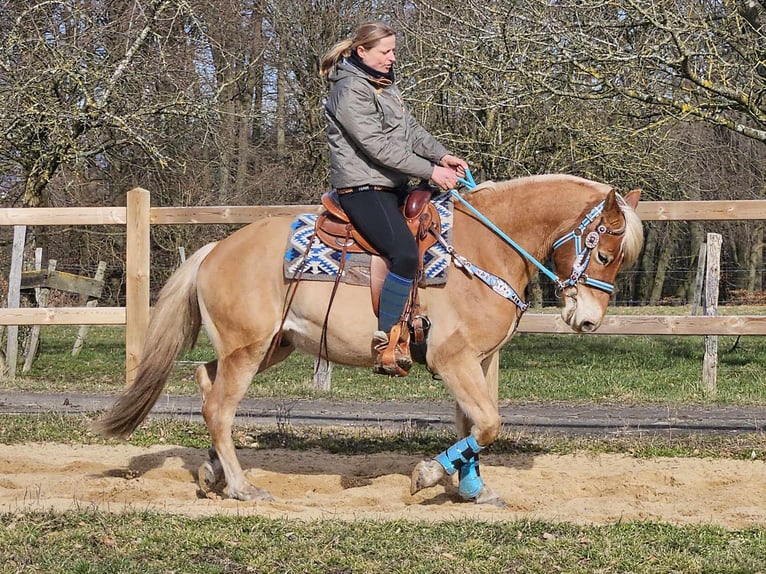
357, 61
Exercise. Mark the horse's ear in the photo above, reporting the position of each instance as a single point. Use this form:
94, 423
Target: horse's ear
610, 202
632, 197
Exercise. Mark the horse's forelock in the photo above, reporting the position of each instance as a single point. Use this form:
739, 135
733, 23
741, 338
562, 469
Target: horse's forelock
633, 240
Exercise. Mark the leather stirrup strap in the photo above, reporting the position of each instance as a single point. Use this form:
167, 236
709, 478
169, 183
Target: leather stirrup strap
292, 289
398, 337
378, 272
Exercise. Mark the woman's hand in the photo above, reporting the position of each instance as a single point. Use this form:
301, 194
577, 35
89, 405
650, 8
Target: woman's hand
450, 168
454, 163
444, 177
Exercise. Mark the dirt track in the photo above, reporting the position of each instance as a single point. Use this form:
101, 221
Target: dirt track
309, 485
592, 489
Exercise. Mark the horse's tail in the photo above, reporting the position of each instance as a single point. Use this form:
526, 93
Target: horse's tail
173, 328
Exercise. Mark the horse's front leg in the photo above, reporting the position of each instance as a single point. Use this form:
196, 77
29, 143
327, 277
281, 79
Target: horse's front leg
474, 386
472, 487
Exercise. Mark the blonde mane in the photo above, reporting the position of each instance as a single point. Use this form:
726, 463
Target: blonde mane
633, 240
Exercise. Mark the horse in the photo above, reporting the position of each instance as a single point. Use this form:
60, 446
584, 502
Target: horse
236, 288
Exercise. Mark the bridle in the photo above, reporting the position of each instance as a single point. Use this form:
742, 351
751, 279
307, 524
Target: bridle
583, 250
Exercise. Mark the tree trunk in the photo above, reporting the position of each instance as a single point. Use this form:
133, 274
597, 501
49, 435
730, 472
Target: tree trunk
228, 124
663, 262
647, 263
281, 100
685, 289
250, 102
753, 281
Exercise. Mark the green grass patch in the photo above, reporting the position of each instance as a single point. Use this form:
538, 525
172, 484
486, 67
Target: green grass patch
630, 369
621, 369
143, 543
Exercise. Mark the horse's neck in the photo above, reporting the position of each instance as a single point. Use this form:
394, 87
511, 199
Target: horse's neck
533, 218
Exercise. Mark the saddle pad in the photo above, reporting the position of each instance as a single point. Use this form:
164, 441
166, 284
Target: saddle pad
322, 262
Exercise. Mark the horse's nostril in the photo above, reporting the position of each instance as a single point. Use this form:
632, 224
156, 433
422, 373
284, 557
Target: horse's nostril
588, 327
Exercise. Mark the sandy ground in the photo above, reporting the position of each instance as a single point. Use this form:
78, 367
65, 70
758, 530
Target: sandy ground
584, 489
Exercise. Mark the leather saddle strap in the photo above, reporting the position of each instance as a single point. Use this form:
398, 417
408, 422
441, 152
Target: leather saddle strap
323, 352
292, 289
398, 337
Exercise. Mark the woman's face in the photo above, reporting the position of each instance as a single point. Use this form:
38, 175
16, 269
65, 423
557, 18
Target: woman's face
381, 56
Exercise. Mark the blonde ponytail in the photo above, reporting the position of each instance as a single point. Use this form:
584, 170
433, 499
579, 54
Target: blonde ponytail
340, 50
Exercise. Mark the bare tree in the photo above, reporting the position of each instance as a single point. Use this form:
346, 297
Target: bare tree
688, 60
80, 80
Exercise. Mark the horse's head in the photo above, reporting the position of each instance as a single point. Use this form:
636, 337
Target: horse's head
588, 258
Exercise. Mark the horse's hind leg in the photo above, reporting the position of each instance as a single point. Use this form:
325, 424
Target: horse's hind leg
223, 385
210, 474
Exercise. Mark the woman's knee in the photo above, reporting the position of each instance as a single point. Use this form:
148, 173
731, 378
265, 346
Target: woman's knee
405, 263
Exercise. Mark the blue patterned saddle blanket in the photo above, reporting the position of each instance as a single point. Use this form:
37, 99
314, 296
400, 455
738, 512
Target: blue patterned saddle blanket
322, 263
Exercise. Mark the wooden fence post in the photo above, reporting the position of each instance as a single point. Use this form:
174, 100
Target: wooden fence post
699, 280
41, 295
712, 277
83, 331
14, 297
322, 374
137, 259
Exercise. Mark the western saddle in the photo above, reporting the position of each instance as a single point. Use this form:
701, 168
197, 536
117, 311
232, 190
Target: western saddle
334, 229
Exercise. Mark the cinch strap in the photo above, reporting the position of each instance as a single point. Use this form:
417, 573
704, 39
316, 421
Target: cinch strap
459, 454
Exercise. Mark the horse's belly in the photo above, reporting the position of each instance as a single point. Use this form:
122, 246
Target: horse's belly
348, 327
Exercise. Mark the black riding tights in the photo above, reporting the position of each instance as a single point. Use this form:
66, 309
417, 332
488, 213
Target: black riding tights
376, 215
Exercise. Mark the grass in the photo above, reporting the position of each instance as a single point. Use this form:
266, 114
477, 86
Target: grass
143, 543
579, 368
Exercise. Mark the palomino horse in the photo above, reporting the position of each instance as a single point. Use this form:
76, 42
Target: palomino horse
236, 288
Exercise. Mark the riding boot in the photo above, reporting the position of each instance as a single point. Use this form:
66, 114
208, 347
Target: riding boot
393, 297
393, 351
391, 340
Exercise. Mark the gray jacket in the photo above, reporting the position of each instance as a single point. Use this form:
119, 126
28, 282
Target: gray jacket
373, 138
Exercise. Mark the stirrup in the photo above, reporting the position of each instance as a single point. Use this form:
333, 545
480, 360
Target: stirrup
393, 350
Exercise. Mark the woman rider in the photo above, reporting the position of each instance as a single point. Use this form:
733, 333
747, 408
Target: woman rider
376, 146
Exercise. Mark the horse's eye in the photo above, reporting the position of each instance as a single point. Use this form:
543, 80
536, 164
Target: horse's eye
602, 258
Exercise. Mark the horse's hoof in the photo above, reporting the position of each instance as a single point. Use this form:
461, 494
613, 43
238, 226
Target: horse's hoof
490, 497
251, 492
426, 473
210, 477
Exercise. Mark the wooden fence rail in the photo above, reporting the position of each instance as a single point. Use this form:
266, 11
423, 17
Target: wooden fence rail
138, 216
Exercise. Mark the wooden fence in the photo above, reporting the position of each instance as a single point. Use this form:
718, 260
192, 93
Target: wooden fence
138, 216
